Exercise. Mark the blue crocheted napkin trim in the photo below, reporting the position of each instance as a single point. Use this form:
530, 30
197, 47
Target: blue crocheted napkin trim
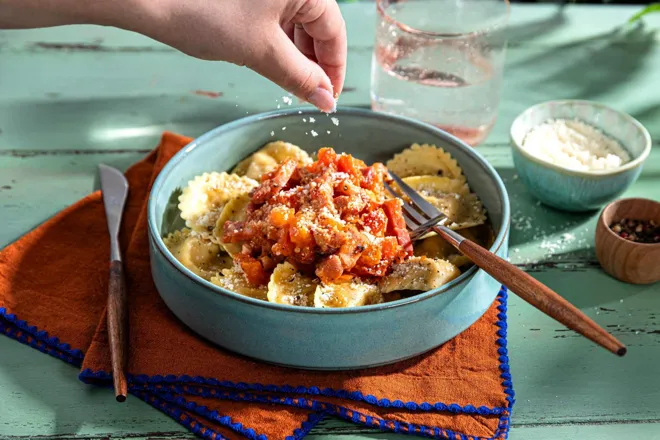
156, 390
17, 329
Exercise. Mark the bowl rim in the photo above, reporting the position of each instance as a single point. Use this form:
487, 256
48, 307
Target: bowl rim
579, 173
159, 245
611, 233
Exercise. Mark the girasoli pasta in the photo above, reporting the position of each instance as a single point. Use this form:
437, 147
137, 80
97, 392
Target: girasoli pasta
322, 231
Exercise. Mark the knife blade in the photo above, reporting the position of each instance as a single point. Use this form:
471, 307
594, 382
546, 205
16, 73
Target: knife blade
114, 189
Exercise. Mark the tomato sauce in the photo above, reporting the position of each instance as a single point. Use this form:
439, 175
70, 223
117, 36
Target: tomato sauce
330, 219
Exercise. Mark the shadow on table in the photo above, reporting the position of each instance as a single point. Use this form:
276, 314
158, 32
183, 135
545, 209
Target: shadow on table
578, 277
527, 32
531, 221
592, 66
57, 403
122, 123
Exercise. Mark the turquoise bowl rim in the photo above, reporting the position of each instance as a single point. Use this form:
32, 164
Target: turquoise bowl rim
596, 174
201, 140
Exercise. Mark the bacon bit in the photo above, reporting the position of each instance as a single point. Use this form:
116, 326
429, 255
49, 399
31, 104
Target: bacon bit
273, 182
329, 218
330, 269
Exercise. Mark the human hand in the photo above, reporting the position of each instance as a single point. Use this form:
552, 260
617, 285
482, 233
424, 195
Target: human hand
298, 44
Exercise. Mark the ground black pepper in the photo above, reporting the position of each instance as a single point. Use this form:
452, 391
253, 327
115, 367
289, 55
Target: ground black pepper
639, 231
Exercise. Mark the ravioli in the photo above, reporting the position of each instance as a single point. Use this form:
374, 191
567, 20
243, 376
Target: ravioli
202, 201
201, 256
419, 274
288, 286
425, 160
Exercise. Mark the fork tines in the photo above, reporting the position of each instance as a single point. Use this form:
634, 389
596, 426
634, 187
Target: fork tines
420, 215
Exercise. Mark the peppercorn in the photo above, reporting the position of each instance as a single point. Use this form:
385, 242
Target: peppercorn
639, 231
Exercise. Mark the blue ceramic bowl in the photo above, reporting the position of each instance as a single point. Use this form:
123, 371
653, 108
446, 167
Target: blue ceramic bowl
571, 190
307, 337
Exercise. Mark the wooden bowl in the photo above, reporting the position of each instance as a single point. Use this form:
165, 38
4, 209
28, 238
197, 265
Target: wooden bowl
625, 260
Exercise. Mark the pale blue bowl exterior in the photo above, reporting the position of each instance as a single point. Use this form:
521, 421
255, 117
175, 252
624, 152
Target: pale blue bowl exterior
326, 339
572, 190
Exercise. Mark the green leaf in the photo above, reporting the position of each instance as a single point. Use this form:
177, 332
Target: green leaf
653, 7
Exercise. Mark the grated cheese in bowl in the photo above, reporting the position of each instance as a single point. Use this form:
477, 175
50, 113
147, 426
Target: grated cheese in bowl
572, 144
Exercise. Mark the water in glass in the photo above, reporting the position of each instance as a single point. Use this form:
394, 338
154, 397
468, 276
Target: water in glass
440, 61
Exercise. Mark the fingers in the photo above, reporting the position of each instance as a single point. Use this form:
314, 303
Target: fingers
304, 42
288, 30
284, 64
323, 22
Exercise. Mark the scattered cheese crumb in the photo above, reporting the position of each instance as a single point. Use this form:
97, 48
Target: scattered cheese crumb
287, 100
328, 131
575, 145
272, 133
335, 120
312, 120
314, 133
283, 128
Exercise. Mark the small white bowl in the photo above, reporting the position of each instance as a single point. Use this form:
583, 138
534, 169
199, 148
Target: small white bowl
573, 190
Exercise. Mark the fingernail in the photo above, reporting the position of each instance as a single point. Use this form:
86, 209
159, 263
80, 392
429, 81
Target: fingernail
323, 100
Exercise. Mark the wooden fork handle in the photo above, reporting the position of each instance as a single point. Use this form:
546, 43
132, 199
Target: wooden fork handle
540, 296
118, 328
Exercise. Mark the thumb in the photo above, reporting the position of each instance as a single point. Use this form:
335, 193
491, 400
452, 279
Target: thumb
284, 64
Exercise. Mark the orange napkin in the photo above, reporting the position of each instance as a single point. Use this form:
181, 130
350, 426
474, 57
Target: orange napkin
53, 287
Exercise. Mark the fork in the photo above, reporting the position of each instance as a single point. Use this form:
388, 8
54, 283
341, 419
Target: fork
422, 217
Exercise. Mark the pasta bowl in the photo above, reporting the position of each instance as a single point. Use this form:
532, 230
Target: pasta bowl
309, 337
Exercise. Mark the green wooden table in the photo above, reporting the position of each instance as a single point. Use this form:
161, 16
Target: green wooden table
73, 97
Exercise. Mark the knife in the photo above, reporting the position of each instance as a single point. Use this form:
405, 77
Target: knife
114, 189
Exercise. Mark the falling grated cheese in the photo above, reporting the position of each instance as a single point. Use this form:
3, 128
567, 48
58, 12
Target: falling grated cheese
574, 145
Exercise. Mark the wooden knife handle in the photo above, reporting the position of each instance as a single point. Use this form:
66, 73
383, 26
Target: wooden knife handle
540, 296
118, 328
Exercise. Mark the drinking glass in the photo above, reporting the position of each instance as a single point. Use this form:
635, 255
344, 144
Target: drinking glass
441, 62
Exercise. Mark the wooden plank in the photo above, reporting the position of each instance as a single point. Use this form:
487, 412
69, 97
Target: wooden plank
338, 430
76, 104
562, 432
530, 24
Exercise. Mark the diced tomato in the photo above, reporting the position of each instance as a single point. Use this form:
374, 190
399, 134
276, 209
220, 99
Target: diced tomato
376, 221
312, 217
254, 271
396, 225
371, 255
327, 156
346, 164
389, 248
281, 216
